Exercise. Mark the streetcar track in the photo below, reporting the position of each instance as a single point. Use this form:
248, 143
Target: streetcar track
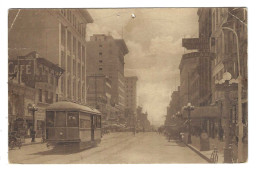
119, 136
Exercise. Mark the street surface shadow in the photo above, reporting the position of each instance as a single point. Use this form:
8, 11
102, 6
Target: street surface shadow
175, 143
60, 151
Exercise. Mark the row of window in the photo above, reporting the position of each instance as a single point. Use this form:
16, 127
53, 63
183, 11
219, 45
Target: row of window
47, 98
73, 63
72, 44
71, 119
71, 17
80, 88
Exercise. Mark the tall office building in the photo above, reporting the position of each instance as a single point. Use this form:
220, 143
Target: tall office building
131, 92
106, 56
58, 35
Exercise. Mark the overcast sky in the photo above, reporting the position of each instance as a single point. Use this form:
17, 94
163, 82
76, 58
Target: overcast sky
153, 39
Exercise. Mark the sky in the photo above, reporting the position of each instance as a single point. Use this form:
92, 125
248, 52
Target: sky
153, 39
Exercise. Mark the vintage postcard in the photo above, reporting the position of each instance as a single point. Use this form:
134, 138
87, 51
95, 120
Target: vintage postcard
127, 86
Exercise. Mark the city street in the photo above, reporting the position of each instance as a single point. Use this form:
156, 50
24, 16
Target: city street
116, 148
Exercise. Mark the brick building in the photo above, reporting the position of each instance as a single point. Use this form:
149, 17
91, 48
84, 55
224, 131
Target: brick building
58, 35
32, 80
106, 56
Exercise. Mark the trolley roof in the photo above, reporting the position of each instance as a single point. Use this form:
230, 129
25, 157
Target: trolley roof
70, 106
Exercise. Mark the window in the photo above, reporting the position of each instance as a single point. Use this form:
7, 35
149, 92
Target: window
74, 67
73, 119
79, 91
98, 122
100, 53
83, 54
40, 95
85, 123
79, 50
83, 72
62, 84
46, 96
51, 98
57, 97
63, 35
60, 120
68, 88
49, 119
100, 61
100, 45
62, 59
68, 64
69, 41
100, 69
79, 70
74, 45
74, 88
83, 91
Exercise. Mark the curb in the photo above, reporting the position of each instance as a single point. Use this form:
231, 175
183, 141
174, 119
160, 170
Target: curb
199, 153
31, 143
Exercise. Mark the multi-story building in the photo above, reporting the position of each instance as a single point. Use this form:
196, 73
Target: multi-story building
227, 61
189, 65
32, 80
174, 106
99, 94
106, 56
58, 35
131, 93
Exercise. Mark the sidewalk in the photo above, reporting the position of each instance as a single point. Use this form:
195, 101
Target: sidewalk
27, 141
206, 154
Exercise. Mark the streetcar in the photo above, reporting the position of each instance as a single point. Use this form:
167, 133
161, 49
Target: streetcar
73, 125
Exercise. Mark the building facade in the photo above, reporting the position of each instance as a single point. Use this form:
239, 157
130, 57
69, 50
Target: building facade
106, 56
99, 95
131, 93
58, 35
228, 46
32, 80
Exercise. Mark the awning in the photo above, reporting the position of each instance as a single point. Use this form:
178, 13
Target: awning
204, 112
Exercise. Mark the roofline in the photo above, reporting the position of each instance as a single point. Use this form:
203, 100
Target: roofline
86, 15
121, 43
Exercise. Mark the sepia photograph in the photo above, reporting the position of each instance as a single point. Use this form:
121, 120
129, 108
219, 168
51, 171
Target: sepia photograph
128, 85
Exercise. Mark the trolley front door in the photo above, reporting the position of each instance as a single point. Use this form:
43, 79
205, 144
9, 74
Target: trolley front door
92, 128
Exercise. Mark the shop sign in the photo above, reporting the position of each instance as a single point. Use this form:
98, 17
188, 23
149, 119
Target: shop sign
25, 66
195, 43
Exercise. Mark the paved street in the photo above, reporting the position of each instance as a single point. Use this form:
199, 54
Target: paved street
114, 148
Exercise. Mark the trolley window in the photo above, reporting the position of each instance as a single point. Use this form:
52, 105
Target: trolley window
98, 122
85, 123
49, 119
85, 120
60, 119
73, 119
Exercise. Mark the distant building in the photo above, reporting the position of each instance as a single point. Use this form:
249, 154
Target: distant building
99, 95
32, 80
131, 92
58, 35
174, 106
106, 56
189, 65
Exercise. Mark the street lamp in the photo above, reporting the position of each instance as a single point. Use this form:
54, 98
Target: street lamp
33, 108
239, 79
227, 84
189, 108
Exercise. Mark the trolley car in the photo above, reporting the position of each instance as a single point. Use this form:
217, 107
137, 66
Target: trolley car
71, 124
